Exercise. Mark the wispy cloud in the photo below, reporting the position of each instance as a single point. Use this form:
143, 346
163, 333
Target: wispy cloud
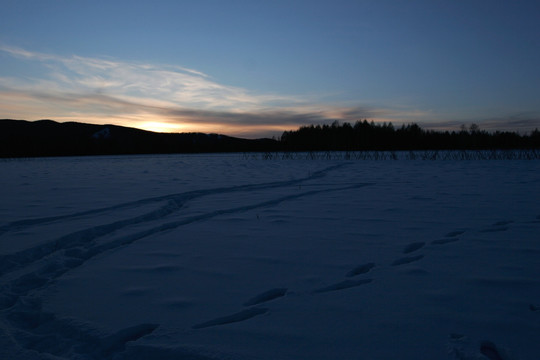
522, 122
79, 88
179, 86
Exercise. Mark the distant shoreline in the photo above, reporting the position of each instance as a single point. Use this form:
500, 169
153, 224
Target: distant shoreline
45, 138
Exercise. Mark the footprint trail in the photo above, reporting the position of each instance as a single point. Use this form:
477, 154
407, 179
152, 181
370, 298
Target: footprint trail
407, 260
25, 274
237, 317
412, 247
266, 296
444, 241
361, 269
347, 284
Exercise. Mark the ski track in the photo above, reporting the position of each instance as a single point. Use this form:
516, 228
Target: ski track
24, 322
174, 203
37, 331
177, 198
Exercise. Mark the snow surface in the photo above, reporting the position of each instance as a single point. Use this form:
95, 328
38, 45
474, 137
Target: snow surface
223, 257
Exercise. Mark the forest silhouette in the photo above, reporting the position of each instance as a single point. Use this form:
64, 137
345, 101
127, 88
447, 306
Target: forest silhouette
364, 135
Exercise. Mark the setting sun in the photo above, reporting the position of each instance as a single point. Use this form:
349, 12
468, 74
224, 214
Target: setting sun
161, 127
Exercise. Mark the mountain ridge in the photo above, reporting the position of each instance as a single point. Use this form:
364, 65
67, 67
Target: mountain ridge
23, 138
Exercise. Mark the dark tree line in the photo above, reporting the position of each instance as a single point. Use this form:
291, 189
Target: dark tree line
364, 135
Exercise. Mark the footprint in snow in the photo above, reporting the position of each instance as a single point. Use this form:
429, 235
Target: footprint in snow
407, 260
463, 348
536, 220
361, 269
412, 247
116, 343
503, 223
237, 317
498, 226
266, 296
444, 241
495, 229
342, 285
455, 233
489, 350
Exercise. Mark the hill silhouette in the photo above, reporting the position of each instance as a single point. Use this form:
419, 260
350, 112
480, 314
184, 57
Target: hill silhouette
20, 138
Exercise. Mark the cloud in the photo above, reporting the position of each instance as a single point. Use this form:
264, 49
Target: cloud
174, 98
132, 93
69, 86
106, 105
178, 85
523, 122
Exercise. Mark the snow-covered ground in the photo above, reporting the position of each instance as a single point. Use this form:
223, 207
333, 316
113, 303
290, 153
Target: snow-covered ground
226, 257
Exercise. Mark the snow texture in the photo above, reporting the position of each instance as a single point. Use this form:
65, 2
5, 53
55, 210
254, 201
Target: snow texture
227, 257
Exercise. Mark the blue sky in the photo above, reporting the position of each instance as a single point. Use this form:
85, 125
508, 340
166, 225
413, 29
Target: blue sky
256, 68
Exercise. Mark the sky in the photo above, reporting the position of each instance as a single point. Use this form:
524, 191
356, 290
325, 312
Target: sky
256, 68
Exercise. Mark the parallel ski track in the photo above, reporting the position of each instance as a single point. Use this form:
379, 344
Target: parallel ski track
30, 329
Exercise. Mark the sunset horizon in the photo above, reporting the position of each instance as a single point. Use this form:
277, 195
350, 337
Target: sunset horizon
256, 70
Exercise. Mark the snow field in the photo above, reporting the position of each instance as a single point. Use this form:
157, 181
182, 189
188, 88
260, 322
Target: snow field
219, 257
